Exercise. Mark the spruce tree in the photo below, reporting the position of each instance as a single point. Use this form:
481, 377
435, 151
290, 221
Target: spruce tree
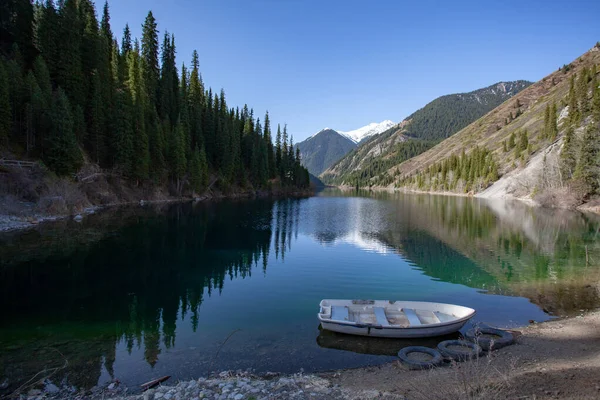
582, 91
573, 109
269, 144
149, 61
568, 159
47, 36
63, 155
553, 122
523, 140
512, 140
95, 122
124, 152
5, 107
177, 162
278, 148
69, 68
546, 130
588, 167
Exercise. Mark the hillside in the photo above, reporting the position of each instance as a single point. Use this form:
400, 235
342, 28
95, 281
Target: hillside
436, 121
543, 143
320, 151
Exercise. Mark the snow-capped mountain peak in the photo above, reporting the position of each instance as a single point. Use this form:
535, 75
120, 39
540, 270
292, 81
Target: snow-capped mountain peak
369, 130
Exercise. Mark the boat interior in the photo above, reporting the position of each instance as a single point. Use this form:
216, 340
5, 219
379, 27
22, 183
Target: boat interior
401, 317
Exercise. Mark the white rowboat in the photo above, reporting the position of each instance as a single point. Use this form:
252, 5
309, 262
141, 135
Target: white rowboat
393, 319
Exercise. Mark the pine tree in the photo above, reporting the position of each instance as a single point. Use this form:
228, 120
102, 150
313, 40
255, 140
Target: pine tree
582, 91
523, 140
124, 153
126, 41
177, 162
278, 148
5, 107
269, 145
588, 167
596, 102
512, 140
95, 122
63, 155
553, 123
195, 103
568, 158
46, 36
546, 130
69, 68
149, 61
573, 109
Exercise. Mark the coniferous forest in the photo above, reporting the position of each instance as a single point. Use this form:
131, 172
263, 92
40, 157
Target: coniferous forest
71, 94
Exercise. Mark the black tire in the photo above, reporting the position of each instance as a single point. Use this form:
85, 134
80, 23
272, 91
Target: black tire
436, 360
503, 339
474, 350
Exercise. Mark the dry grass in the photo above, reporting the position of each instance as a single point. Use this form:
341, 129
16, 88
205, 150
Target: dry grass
569, 197
479, 378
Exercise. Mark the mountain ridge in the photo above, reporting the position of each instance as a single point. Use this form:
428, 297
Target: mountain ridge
435, 121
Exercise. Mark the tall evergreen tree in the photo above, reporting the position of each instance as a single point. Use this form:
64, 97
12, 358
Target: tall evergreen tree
5, 107
124, 152
573, 103
568, 159
63, 155
269, 144
69, 68
149, 64
278, 148
588, 167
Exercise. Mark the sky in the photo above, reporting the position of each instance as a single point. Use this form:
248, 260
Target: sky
345, 64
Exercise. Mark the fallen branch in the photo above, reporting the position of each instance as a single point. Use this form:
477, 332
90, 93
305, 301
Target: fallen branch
31, 381
220, 347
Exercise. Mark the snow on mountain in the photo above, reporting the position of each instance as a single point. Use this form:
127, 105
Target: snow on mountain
369, 130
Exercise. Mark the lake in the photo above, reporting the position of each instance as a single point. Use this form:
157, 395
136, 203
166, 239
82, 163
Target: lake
188, 289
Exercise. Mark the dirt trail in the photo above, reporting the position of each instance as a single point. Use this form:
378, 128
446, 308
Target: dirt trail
558, 359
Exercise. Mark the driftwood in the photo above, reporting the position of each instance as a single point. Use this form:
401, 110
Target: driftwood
154, 382
18, 163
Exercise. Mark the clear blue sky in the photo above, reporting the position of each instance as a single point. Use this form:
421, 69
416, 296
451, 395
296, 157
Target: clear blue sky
344, 64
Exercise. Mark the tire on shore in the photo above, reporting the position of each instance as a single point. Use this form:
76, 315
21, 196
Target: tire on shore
468, 350
436, 357
499, 340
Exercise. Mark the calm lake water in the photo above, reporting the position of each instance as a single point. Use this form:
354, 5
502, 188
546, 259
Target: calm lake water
183, 290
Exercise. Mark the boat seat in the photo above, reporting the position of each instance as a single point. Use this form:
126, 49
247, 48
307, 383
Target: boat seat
339, 313
413, 319
443, 317
380, 315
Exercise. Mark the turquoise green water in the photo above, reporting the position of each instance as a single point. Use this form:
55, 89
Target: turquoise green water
134, 294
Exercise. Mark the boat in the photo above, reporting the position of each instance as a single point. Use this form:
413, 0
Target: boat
392, 319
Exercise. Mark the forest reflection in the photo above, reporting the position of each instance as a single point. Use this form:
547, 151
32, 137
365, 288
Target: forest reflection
131, 282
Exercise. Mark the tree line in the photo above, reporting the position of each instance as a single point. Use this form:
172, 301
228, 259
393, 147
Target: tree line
71, 93
473, 171
580, 156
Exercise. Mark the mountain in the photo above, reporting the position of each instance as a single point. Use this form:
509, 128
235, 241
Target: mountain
421, 130
360, 134
541, 144
322, 149
327, 146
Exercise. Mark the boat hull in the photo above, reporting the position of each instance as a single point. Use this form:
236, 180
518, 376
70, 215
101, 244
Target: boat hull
392, 319
377, 331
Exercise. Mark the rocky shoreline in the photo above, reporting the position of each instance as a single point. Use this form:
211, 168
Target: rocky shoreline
227, 385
